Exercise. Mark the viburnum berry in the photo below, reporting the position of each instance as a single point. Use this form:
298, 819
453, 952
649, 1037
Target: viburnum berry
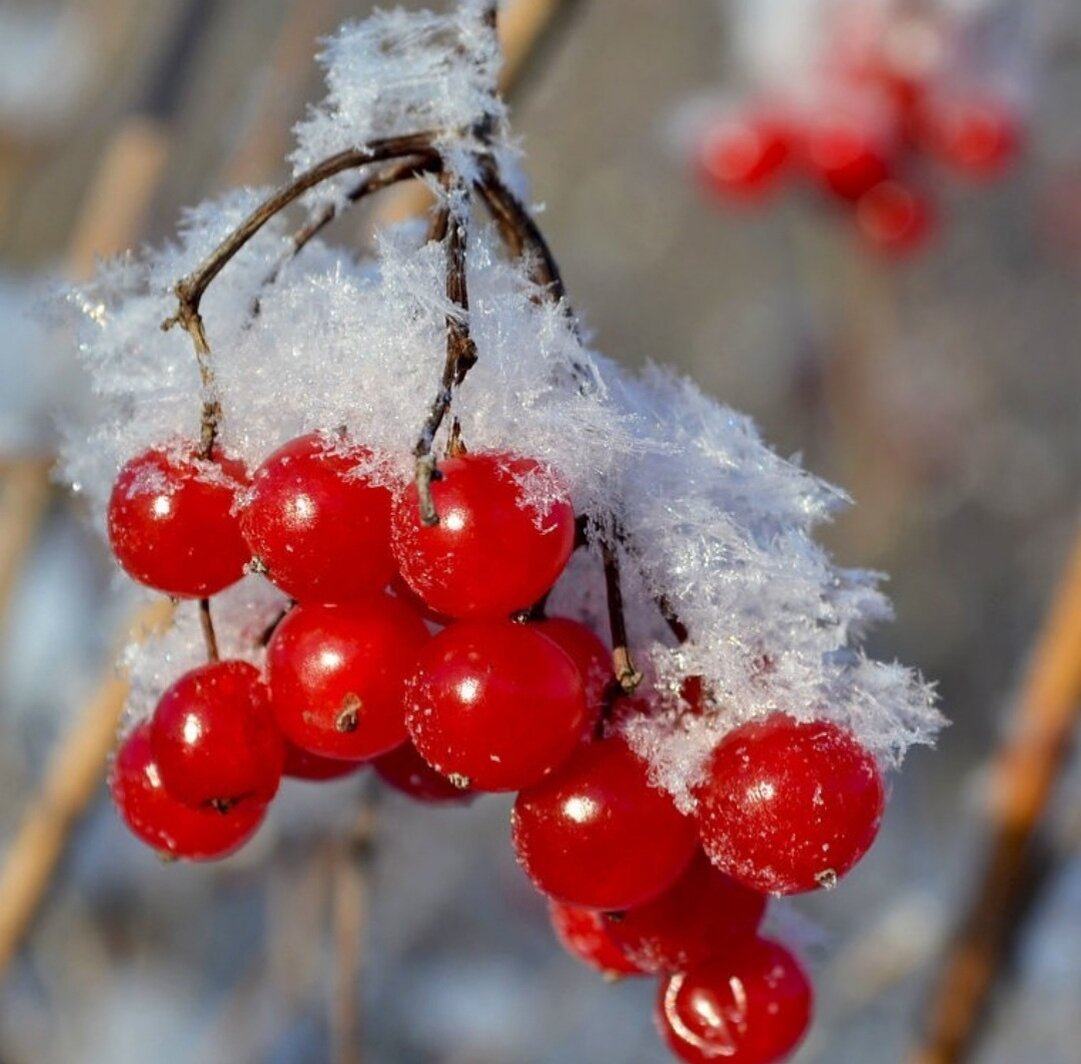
172, 524
589, 654
743, 156
975, 136
894, 217
788, 807
598, 834
585, 934
337, 675
847, 155
750, 1006
495, 704
304, 765
319, 528
163, 822
215, 738
406, 771
701, 916
506, 530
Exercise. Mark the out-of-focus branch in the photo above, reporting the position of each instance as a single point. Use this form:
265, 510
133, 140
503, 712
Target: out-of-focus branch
70, 781
1027, 767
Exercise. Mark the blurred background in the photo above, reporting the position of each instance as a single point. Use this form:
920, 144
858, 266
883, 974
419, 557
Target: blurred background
941, 390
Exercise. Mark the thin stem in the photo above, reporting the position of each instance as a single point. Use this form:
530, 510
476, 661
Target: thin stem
1029, 763
461, 352
626, 673
210, 637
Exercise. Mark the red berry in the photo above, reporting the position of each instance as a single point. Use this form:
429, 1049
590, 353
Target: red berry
698, 918
743, 156
495, 704
788, 807
405, 770
894, 218
592, 658
156, 817
337, 675
975, 136
171, 522
401, 590
495, 551
584, 934
845, 154
751, 1006
302, 765
596, 833
321, 529
215, 738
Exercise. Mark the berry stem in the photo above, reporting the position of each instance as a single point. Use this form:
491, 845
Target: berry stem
450, 224
209, 635
626, 673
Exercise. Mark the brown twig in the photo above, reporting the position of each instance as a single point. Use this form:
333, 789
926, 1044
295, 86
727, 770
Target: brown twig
1028, 765
352, 867
70, 781
623, 664
461, 352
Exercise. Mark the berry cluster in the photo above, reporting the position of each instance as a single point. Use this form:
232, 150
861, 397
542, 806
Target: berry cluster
879, 103
499, 698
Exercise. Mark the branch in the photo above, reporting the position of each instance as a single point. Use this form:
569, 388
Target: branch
1029, 763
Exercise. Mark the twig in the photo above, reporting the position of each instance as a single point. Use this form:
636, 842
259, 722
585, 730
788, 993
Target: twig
626, 673
352, 865
461, 352
206, 622
70, 781
1028, 765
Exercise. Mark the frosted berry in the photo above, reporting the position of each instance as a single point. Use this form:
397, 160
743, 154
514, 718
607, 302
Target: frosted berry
743, 156
303, 765
751, 1006
337, 675
496, 550
171, 522
597, 833
320, 528
589, 654
157, 818
789, 807
215, 738
406, 771
701, 916
585, 934
894, 218
495, 705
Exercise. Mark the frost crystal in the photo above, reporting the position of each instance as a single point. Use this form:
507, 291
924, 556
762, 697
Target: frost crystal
718, 527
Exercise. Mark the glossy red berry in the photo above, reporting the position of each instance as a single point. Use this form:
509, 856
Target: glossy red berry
215, 738
584, 933
171, 522
496, 549
744, 156
750, 1006
589, 654
846, 155
894, 218
337, 675
320, 528
303, 765
156, 817
597, 834
495, 704
406, 771
701, 916
788, 807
